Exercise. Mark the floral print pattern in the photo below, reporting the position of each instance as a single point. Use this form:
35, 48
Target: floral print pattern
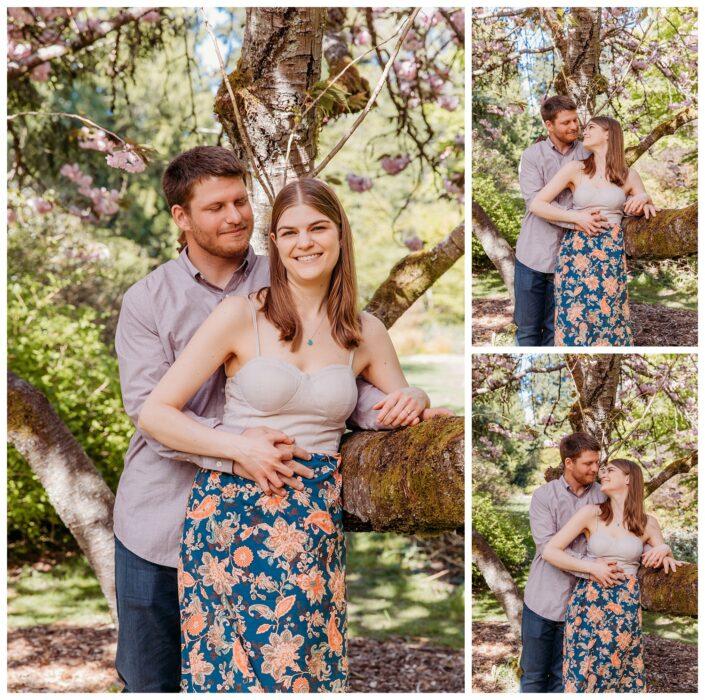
592, 306
262, 585
602, 643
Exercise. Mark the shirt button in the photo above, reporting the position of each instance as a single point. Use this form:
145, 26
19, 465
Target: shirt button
219, 464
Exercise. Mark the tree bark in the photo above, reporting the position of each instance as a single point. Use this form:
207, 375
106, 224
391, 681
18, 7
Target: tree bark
75, 489
499, 581
672, 233
408, 481
280, 62
679, 466
413, 275
675, 593
596, 380
579, 45
495, 246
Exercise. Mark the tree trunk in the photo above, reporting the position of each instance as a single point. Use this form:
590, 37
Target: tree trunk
580, 52
596, 380
495, 246
409, 481
499, 581
75, 489
413, 275
279, 64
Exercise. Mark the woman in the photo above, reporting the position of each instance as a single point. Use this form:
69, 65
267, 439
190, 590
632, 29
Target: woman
262, 570
602, 644
592, 307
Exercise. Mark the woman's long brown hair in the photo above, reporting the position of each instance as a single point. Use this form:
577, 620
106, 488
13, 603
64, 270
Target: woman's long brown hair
278, 306
634, 515
616, 168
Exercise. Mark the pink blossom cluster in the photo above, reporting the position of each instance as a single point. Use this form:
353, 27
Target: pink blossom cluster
414, 243
358, 183
40, 205
95, 140
104, 202
360, 36
393, 165
127, 160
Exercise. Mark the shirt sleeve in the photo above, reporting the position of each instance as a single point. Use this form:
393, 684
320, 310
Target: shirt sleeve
531, 181
364, 417
544, 527
143, 362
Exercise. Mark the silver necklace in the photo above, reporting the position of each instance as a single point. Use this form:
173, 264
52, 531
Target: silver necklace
309, 341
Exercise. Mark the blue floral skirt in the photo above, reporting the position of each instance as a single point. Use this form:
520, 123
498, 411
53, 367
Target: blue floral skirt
262, 585
592, 305
602, 643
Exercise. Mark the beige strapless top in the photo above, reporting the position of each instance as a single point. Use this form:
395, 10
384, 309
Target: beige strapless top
609, 198
311, 407
626, 550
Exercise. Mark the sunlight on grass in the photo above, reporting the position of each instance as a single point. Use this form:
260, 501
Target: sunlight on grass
68, 593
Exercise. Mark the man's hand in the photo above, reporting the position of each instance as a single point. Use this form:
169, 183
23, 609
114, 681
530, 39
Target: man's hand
655, 556
591, 221
266, 457
402, 407
607, 572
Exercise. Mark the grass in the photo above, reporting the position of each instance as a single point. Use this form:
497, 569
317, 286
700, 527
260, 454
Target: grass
442, 377
671, 283
68, 593
390, 594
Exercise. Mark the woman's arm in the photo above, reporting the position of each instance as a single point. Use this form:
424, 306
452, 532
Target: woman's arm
590, 221
404, 404
161, 415
639, 202
660, 554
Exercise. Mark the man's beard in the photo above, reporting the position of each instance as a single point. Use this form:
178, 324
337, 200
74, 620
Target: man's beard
216, 246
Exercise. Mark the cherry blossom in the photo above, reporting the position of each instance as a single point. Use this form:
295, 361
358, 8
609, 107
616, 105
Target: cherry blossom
358, 183
126, 160
394, 165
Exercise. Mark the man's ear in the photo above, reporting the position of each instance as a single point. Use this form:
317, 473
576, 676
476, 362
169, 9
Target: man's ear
180, 217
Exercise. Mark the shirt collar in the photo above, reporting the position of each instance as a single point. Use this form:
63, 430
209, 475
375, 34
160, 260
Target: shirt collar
566, 486
247, 263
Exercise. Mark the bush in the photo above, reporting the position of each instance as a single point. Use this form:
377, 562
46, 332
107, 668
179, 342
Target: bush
684, 544
58, 348
502, 534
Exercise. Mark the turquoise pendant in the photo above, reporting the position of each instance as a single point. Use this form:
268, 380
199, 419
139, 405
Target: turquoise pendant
310, 341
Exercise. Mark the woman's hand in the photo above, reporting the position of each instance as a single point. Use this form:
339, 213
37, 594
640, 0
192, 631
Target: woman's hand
402, 407
655, 556
670, 563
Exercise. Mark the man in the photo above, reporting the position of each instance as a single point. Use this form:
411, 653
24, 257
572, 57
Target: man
206, 193
548, 589
539, 240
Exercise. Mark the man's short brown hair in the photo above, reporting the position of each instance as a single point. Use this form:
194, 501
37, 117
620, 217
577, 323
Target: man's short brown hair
573, 445
555, 104
192, 166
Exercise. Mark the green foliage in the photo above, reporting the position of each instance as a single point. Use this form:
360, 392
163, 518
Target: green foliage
500, 531
58, 348
506, 210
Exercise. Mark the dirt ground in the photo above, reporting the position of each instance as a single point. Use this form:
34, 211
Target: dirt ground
654, 324
493, 647
69, 659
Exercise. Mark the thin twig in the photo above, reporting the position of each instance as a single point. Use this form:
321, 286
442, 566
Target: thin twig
259, 172
373, 97
331, 82
85, 120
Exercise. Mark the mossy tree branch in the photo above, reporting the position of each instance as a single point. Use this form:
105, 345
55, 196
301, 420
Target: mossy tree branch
413, 275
